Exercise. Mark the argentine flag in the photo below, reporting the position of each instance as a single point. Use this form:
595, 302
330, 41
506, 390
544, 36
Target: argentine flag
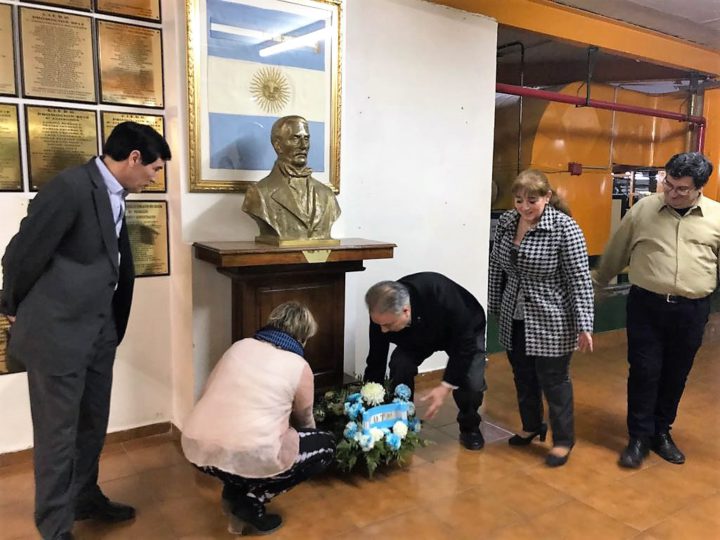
249, 86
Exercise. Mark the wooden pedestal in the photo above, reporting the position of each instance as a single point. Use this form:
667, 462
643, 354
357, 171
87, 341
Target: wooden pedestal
264, 276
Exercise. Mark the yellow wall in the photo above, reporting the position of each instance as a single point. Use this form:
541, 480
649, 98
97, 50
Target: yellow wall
555, 134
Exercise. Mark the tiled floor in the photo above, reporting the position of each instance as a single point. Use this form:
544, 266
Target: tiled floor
448, 492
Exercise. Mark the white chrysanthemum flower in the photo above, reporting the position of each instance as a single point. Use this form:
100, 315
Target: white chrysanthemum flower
373, 393
400, 429
377, 434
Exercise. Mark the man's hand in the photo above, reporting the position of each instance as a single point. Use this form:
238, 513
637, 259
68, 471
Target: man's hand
436, 397
10, 318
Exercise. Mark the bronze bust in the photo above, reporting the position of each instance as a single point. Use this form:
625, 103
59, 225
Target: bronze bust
290, 207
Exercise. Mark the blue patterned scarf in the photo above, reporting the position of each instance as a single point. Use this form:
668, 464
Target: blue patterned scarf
280, 339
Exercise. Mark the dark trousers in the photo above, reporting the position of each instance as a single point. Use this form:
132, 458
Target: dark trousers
663, 339
404, 368
538, 375
317, 449
70, 416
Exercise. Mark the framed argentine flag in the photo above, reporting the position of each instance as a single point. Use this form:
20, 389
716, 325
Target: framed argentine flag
251, 62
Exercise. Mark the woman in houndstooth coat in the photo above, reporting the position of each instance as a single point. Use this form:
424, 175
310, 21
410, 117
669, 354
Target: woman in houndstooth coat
541, 291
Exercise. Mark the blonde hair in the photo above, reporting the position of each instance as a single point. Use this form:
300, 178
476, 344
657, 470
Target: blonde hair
295, 319
534, 182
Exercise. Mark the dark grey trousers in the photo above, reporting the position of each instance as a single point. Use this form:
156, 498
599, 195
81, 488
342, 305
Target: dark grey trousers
468, 398
538, 375
70, 417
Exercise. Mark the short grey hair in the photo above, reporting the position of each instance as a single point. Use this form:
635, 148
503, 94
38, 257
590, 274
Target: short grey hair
387, 297
295, 319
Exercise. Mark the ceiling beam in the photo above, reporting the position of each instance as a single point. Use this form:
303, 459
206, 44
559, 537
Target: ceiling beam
549, 18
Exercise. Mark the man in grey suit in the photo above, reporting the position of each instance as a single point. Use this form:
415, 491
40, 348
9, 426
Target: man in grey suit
289, 205
68, 281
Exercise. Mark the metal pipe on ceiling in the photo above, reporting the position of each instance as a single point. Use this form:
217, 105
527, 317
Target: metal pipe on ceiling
524, 91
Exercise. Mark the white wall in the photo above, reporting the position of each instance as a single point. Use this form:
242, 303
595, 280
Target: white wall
417, 147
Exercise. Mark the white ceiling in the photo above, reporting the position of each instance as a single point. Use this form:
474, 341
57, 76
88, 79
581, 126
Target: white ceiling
691, 20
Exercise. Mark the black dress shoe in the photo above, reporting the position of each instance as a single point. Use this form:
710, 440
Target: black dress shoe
664, 446
634, 454
103, 509
248, 515
519, 440
65, 536
472, 440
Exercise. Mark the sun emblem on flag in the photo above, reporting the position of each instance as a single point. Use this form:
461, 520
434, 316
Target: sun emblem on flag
270, 89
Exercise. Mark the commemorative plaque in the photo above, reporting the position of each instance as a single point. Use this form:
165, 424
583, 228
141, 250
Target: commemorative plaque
111, 119
147, 223
10, 170
4, 327
8, 85
131, 65
58, 138
57, 56
148, 10
85, 5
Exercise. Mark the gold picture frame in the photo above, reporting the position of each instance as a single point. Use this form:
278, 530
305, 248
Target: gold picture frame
249, 63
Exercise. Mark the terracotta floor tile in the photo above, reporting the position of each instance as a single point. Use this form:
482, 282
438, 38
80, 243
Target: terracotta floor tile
155, 456
576, 520
17, 483
16, 519
423, 525
700, 520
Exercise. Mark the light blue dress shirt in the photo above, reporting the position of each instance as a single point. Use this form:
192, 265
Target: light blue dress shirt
116, 192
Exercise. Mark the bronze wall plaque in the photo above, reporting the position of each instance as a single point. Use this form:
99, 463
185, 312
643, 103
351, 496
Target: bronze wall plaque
8, 84
85, 5
4, 327
58, 138
139, 9
57, 56
111, 119
147, 223
131, 64
10, 168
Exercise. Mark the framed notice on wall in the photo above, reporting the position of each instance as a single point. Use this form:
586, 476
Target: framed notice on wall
58, 138
8, 84
109, 120
10, 169
148, 10
57, 56
147, 223
251, 62
131, 66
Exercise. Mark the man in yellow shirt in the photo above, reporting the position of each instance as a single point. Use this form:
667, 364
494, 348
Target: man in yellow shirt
671, 242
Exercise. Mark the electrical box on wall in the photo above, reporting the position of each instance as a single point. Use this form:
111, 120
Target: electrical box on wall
575, 169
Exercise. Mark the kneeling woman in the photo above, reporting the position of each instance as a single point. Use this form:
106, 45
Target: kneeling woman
253, 428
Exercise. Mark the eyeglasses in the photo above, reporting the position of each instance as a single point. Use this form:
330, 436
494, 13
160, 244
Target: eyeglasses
680, 190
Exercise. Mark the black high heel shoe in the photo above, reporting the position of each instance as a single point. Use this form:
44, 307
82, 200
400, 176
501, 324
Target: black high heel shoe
519, 440
551, 460
248, 516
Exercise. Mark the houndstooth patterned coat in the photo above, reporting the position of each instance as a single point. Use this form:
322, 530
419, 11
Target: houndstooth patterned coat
552, 266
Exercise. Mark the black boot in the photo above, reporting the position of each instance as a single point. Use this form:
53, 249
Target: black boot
249, 513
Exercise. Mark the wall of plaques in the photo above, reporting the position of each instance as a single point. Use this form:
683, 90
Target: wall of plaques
70, 71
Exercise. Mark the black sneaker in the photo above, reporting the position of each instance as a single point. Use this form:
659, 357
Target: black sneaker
472, 440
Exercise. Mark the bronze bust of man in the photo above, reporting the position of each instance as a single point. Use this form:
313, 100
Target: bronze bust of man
289, 205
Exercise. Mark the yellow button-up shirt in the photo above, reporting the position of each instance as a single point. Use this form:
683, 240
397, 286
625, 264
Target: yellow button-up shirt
667, 253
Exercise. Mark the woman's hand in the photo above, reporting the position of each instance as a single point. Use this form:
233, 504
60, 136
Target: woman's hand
585, 343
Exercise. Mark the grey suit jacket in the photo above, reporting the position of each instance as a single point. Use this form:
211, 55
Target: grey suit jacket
61, 276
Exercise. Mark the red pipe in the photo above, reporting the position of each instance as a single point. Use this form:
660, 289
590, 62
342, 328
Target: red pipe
608, 105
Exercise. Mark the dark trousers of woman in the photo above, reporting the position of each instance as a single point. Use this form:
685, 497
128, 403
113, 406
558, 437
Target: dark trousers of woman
663, 338
538, 375
317, 449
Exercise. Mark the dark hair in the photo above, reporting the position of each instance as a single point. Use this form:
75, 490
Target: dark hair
387, 297
692, 164
129, 136
534, 182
